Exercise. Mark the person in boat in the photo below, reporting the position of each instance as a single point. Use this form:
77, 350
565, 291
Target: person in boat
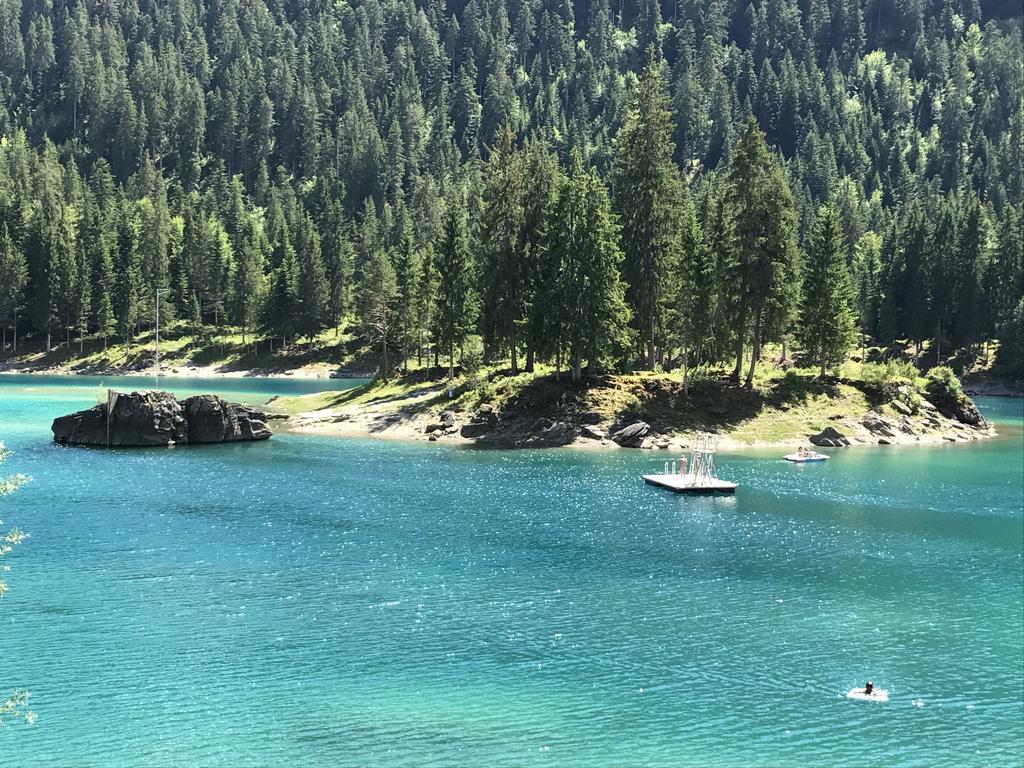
869, 688
801, 451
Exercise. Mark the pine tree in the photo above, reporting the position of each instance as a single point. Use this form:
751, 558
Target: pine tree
426, 301
377, 294
648, 193
697, 299
128, 288
500, 239
104, 319
313, 290
867, 269
827, 324
407, 269
13, 279
456, 310
249, 283
339, 261
591, 297
764, 272
540, 185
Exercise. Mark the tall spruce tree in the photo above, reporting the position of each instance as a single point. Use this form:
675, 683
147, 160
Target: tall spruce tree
313, 290
764, 284
248, 287
407, 269
456, 307
377, 294
13, 279
540, 185
648, 193
827, 325
500, 237
591, 297
696, 300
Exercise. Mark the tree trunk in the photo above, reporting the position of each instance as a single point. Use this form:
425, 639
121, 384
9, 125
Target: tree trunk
515, 357
48, 344
755, 353
738, 370
577, 368
650, 348
529, 359
686, 370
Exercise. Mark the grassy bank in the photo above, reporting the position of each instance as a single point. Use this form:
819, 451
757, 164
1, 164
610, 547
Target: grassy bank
783, 407
185, 350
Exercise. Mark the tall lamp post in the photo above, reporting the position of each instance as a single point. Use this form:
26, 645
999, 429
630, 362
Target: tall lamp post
158, 292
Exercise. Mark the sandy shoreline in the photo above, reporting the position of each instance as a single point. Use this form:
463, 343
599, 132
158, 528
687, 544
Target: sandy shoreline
404, 425
325, 372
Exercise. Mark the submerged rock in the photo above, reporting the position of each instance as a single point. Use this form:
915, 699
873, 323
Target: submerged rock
139, 419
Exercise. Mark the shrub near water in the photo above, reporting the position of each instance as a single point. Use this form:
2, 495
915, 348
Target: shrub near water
943, 387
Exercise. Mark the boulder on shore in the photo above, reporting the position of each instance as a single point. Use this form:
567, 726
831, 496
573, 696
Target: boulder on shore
632, 435
830, 437
139, 419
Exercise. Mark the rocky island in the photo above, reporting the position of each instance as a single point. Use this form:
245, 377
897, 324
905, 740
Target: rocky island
151, 418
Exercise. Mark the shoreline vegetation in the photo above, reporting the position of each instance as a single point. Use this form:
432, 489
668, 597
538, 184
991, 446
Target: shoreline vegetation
866, 403
643, 410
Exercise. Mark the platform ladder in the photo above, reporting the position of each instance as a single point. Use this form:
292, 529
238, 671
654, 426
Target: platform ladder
702, 459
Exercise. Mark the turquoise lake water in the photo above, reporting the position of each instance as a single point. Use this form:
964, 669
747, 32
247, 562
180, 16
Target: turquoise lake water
315, 601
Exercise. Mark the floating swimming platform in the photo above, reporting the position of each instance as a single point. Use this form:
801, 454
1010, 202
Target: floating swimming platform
796, 458
690, 483
701, 476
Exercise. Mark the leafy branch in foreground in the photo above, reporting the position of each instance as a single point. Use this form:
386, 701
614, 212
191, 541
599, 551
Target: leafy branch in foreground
16, 705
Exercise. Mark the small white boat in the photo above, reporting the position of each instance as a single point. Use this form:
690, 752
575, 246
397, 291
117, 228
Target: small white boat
803, 458
876, 695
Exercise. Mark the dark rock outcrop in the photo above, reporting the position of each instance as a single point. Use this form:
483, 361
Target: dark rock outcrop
475, 429
139, 419
966, 412
212, 420
632, 435
877, 425
830, 436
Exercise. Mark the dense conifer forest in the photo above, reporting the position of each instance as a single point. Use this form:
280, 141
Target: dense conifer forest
599, 184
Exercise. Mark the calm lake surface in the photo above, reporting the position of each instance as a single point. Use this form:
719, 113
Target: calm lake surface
314, 601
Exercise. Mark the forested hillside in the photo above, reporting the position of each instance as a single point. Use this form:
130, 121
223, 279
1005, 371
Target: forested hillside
599, 183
